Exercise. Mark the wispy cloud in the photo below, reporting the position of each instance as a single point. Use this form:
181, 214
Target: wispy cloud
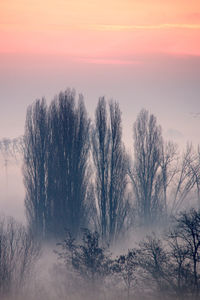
110, 61
106, 27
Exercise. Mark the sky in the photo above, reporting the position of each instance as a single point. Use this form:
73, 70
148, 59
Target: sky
143, 54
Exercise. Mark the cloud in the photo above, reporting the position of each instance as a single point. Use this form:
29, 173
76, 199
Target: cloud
105, 27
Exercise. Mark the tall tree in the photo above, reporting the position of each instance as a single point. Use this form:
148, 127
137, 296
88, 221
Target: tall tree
169, 168
186, 179
34, 170
111, 170
146, 174
67, 163
55, 165
187, 233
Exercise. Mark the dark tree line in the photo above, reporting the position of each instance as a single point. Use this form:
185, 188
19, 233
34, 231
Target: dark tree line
166, 267
77, 173
173, 262
61, 192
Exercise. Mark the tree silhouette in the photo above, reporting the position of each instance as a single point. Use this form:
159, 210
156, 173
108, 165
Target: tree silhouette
18, 253
56, 148
146, 174
35, 166
68, 152
110, 164
88, 259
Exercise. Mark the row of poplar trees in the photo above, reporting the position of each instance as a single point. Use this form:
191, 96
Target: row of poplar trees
74, 172
77, 173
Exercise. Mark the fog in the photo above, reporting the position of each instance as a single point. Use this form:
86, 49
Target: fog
51, 277
12, 189
167, 85
99, 198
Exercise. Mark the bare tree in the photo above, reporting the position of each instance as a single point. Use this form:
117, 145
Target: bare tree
169, 168
146, 175
18, 253
171, 265
179, 269
126, 266
35, 162
164, 271
11, 152
194, 166
186, 178
11, 148
153, 259
110, 163
55, 165
188, 233
68, 177
88, 259
100, 143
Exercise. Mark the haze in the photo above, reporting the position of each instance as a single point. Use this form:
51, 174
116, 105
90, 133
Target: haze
142, 54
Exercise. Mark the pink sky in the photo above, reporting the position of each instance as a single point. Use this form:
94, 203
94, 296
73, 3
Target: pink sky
142, 53
112, 30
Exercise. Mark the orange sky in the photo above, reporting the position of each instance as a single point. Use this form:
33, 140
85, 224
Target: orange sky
100, 31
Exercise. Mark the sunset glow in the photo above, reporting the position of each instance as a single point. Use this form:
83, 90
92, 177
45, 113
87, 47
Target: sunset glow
100, 29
